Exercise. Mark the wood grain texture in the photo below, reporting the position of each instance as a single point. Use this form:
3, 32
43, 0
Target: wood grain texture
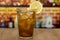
39, 34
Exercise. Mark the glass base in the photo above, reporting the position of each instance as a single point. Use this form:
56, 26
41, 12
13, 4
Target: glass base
25, 38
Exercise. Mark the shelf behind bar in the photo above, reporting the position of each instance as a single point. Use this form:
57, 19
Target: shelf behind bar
14, 6
23, 6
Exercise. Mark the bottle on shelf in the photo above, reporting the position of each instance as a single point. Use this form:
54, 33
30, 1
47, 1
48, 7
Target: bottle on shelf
2, 2
11, 23
46, 3
58, 3
18, 2
37, 24
8, 2
25, 2
55, 1
52, 3
2, 23
15, 2
6, 21
0, 20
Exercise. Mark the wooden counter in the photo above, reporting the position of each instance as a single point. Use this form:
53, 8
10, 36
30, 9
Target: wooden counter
39, 34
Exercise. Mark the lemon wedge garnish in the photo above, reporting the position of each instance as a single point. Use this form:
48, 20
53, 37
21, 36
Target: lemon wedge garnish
36, 6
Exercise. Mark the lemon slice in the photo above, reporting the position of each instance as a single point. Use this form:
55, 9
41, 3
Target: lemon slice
36, 6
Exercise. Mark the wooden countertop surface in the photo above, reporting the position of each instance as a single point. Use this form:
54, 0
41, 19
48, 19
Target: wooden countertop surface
39, 34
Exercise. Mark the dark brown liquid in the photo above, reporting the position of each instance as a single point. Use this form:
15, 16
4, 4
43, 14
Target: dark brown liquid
26, 24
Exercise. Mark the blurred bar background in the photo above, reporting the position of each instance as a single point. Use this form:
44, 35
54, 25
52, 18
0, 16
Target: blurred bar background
51, 7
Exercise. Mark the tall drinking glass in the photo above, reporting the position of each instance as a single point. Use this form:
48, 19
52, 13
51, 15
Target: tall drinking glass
26, 22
